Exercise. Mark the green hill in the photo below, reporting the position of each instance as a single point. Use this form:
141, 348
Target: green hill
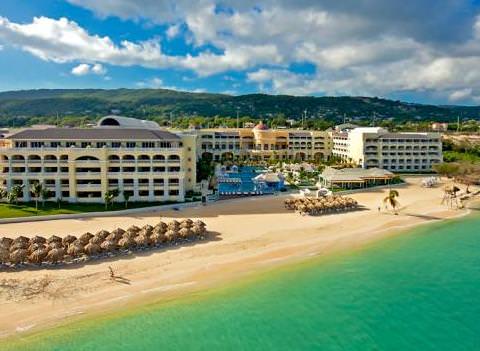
23, 107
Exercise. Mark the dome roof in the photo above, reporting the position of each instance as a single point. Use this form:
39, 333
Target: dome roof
126, 122
261, 126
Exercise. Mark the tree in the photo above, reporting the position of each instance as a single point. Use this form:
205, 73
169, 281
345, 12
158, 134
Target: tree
391, 199
3, 193
45, 195
36, 188
15, 193
447, 169
126, 197
109, 196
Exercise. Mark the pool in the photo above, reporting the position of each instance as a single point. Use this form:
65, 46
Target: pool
242, 183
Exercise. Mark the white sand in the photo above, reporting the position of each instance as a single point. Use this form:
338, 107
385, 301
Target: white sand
248, 235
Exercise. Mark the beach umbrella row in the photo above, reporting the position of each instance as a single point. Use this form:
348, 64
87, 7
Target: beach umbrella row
321, 205
38, 250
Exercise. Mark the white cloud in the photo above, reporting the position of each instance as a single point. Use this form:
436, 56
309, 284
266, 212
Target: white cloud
81, 70
84, 69
99, 69
459, 95
370, 47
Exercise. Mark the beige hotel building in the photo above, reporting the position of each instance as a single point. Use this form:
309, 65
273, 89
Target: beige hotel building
262, 143
81, 164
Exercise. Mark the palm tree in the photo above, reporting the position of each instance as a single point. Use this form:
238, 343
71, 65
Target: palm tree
3, 193
15, 193
36, 188
391, 199
126, 197
109, 196
45, 195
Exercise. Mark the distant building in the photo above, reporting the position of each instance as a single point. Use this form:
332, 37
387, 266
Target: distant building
263, 143
399, 152
439, 127
352, 178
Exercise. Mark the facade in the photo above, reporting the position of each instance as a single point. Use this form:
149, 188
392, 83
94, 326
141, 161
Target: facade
81, 164
397, 152
262, 143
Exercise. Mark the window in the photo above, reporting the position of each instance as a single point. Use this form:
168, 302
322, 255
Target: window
71, 143
55, 144
131, 144
158, 193
148, 144
35, 144
85, 144
116, 144
174, 192
101, 144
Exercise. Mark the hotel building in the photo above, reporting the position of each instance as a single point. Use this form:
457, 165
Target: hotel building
81, 164
262, 143
396, 152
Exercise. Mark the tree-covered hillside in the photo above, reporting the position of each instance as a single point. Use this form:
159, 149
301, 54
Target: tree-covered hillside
28, 106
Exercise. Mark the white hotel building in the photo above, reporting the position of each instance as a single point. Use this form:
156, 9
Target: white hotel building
81, 164
396, 152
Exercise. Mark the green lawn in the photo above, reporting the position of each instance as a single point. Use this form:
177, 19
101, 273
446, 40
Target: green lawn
51, 208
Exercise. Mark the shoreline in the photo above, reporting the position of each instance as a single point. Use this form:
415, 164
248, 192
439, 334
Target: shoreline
270, 248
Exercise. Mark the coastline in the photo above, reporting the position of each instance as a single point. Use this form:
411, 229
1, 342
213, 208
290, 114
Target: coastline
220, 262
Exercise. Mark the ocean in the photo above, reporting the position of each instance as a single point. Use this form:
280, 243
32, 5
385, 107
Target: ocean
415, 291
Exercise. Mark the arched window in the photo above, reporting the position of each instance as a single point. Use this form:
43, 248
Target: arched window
34, 158
113, 158
18, 158
87, 158
128, 158
174, 158
110, 122
50, 158
159, 158
144, 158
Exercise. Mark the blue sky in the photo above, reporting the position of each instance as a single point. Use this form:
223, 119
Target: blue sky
425, 51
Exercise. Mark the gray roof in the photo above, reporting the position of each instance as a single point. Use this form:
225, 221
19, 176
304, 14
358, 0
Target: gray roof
127, 122
93, 134
354, 174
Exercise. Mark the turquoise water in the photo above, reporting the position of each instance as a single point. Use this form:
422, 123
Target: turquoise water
419, 291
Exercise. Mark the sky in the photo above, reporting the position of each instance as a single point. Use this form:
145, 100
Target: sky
414, 50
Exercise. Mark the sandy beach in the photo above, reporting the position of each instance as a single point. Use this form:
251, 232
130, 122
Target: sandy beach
247, 236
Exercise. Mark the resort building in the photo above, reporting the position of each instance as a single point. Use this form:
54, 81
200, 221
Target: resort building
397, 152
263, 143
353, 178
81, 164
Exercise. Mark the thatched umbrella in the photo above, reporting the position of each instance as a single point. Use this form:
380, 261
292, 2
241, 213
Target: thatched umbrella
85, 238
55, 245
133, 229
129, 234
68, 240
102, 234
4, 255
161, 227
115, 237
171, 235
18, 256
19, 245
37, 240
185, 233
186, 223
142, 240
6, 242
109, 246
92, 249
35, 247
173, 225
38, 256
75, 249
147, 229
199, 230
199, 223
54, 238
98, 240
56, 255
20, 239
158, 238
118, 231
126, 243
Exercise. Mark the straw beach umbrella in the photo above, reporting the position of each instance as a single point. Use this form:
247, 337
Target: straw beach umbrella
85, 238
126, 243
108, 246
97, 239
186, 223
142, 240
161, 227
75, 249
102, 234
92, 249
173, 225
37, 240
38, 256
18, 256
68, 240
55, 255
19, 245
53, 239
35, 246
185, 233
171, 235
4, 255
55, 245
158, 238
6, 242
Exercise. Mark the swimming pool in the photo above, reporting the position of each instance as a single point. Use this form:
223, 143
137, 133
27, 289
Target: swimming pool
242, 183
